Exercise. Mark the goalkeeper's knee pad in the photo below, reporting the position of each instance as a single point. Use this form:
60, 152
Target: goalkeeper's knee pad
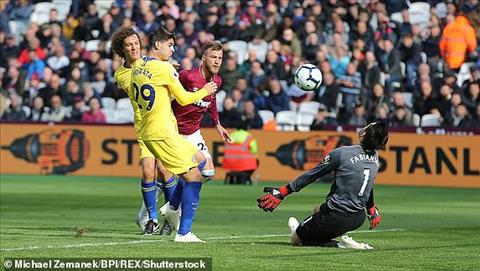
208, 173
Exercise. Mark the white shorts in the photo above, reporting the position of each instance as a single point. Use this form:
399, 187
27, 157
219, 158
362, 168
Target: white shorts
197, 140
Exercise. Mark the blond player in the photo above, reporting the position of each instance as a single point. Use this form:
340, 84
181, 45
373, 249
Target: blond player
154, 82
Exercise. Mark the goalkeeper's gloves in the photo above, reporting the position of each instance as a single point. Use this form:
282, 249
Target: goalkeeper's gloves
273, 198
374, 216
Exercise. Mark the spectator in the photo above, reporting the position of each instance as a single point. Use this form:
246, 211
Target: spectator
14, 82
389, 62
149, 24
273, 66
94, 115
322, 119
399, 118
53, 88
36, 66
398, 100
229, 117
426, 101
9, 49
93, 24
290, 39
58, 112
256, 75
377, 99
431, 46
33, 44
410, 55
251, 116
370, 72
359, 116
460, 117
39, 111
230, 74
472, 98
278, 100
458, 39
350, 86
79, 107
476, 117
474, 77
14, 112
328, 92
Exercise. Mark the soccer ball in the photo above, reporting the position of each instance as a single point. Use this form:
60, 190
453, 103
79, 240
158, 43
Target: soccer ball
308, 77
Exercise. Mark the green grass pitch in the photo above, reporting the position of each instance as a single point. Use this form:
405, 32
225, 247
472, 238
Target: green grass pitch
422, 228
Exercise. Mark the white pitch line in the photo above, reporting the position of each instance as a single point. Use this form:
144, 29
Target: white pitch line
163, 240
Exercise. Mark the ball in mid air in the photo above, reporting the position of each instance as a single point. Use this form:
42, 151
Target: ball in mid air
308, 77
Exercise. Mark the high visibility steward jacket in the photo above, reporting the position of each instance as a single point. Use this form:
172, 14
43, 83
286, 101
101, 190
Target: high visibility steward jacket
458, 37
240, 155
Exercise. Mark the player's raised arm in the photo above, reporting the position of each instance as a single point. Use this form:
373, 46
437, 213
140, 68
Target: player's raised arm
184, 97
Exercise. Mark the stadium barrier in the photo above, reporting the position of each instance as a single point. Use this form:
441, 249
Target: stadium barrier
111, 150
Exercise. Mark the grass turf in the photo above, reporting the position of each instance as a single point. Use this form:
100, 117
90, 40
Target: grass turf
422, 228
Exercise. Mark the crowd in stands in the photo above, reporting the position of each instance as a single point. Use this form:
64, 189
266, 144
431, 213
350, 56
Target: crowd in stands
408, 63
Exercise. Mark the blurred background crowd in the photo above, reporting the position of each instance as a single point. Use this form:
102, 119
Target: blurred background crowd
408, 63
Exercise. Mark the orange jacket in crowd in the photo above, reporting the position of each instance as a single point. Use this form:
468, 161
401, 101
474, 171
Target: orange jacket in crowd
458, 37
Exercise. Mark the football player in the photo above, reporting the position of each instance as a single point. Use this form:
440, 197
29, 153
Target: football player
355, 169
126, 43
154, 80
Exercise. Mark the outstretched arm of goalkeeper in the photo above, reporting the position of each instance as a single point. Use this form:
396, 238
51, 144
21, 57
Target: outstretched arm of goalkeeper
275, 195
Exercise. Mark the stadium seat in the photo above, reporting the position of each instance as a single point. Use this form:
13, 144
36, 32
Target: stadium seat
92, 45
63, 7
260, 48
286, 120
124, 103
407, 97
304, 120
241, 48
108, 102
41, 13
419, 14
403, 69
430, 120
266, 115
220, 97
309, 107
416, 120
464, 73
424, 57
103, 6
27, 110
124, 115
109, 114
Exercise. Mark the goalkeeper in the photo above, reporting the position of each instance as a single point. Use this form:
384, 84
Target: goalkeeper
355, 168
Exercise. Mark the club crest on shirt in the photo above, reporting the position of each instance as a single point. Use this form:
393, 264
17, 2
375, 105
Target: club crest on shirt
175, 74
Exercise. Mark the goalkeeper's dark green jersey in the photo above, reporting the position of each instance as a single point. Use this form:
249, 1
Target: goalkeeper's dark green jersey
354, 169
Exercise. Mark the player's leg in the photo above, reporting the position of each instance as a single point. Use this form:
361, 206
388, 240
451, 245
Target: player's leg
317, 230
207, 170
186, 166
168, 187
176, 198
148, 165
190, 201
149, 193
